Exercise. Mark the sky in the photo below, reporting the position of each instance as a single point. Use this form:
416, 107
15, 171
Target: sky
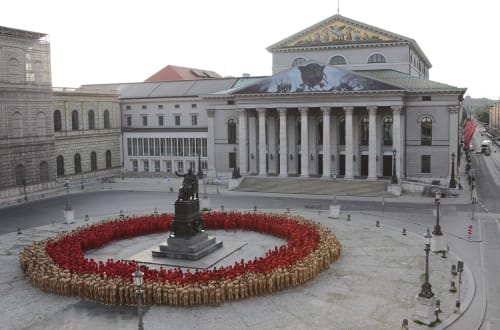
110, 41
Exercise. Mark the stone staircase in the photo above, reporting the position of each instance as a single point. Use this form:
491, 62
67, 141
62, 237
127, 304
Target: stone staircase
315, 186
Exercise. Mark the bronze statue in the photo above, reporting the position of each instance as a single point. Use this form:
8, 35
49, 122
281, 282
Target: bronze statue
189, 187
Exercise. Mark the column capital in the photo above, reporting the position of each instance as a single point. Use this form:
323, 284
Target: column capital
261, 111
371, 109
241, 111
396, 108
348, 110
282, 111
303, 110
326, 110
453, 108
210, 112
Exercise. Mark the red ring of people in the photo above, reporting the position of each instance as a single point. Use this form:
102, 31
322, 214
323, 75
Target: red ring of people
57, 265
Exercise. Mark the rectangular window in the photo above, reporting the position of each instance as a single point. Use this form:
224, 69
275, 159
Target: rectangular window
180, 147
135, 166
146, 146
168, 166
151, 147
162, 147
139, 142
127, 107
129, 146
192, 147
177, 120
174, 147
169, 146
426, 164
204, 147
232, 159
180, 166
144, 107
146, 166
129, 121
134, 146
186, 147
160, 120
194, 120
204, 165
157, 146
176, 106
144, 120
193, 106
160, 106
192, 166
157, 166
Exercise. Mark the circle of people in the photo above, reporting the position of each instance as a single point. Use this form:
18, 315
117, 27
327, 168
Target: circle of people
57, 265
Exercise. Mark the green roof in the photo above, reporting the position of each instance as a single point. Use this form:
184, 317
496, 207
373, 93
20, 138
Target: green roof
405, 81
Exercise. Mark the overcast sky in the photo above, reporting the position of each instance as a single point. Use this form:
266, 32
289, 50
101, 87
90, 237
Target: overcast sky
110, 41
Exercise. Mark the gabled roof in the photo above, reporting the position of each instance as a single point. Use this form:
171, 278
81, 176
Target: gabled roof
174, 73
338, 31
313, 78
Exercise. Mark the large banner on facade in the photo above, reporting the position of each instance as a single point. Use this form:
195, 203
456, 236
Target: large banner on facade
470, 127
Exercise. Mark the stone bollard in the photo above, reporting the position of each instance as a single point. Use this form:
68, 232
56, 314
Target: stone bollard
404, 231
453, 288
454, 270
377, 224
19, 232
348, 217
86, 217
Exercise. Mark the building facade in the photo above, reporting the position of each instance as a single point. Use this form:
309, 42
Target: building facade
27, 162
87, 131
494, 123
339, 104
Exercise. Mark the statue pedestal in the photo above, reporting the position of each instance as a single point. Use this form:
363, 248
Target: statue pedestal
437, 243
205, 204
334, 211
394, 189
189, 240
69, 216
424, 310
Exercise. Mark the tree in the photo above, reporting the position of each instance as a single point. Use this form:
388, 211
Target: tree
482, 113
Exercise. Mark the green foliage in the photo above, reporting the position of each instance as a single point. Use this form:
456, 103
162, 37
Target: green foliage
482, 113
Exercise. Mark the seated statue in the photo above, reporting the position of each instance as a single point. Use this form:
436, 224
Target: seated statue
189, 187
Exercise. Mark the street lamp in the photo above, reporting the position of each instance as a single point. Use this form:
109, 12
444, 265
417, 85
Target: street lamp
137, 276
426, 291
205, 184
453, 182
394, 178
200, 172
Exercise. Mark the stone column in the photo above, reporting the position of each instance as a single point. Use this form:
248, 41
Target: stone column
283, 144
372, 144
326, 142
252, 143
262, 141
304, 143
242, 141
396, 137
349, 165
210, 142
272, 156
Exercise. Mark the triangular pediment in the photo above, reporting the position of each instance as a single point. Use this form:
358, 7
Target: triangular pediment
337, 30
314, 77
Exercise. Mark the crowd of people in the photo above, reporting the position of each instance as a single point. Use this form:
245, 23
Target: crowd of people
58, 265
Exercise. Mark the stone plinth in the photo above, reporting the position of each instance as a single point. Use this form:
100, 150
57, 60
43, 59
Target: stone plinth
424, 310
437, 243
205, 204
394, 189
334, 211
188, 241
69, 216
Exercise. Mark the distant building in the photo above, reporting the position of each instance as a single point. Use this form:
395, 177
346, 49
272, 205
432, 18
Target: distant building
87, 132
494, 124
27, 162
174, 73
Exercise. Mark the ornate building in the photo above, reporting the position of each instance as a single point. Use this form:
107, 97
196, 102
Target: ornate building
344, 99
87, 133
27, 162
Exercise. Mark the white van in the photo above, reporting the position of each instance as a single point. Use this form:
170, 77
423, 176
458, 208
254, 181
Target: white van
486, 147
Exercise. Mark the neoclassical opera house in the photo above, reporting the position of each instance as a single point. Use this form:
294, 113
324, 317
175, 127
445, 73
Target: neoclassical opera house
344, 99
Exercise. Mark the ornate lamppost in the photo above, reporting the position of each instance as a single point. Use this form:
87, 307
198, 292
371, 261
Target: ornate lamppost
137, 276
437, 239
453, 181
394, 178
426, 291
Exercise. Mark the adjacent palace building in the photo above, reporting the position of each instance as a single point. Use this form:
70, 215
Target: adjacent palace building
345, 99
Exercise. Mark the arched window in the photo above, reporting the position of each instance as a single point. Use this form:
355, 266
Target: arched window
363, 130
319, 130
14, 70
91, 119
231, 131
93, 161
342, 131
44, 171
426, 131
106, 119
20, 175
298, 61
387, 131
377, 58
40, 128
57, 121
17, 125
338, 60
74, 120
108, 159
298, 130
78, 164
60, 165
